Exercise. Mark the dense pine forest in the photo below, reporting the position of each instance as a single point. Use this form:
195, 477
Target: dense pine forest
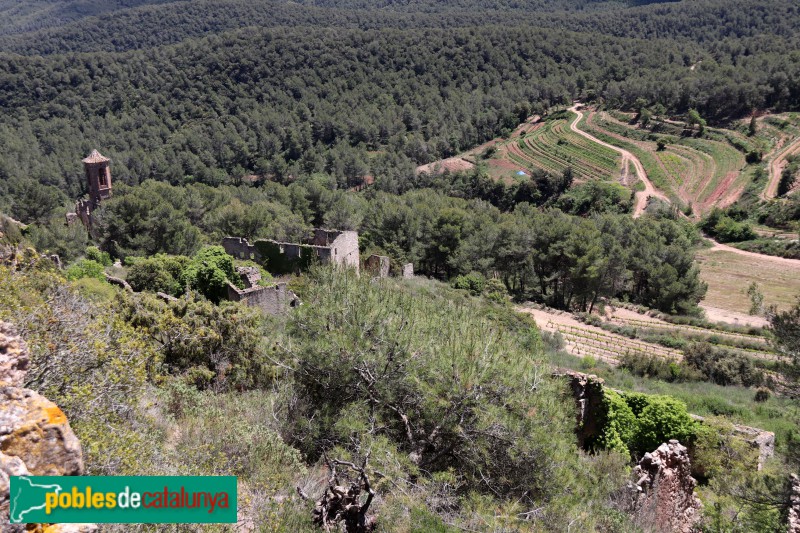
265, 119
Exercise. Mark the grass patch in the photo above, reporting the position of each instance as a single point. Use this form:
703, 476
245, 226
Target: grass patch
728, 275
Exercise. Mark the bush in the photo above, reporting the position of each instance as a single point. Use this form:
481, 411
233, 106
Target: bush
618, 424
94, 253
199, 339
449, 389
762, 395
662, 419
718, 224
723, 367
160, 273
85, 268
474, 282
209, 272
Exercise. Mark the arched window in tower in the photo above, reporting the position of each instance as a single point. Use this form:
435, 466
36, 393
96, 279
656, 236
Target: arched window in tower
103, 175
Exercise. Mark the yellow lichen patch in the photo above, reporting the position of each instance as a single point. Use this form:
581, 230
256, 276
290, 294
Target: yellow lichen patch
55, 415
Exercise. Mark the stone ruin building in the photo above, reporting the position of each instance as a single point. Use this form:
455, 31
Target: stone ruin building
326, 247
274, 300
380, 266
97, 170
588, 392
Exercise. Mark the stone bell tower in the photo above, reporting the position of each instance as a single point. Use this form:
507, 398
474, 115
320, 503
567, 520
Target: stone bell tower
98, 175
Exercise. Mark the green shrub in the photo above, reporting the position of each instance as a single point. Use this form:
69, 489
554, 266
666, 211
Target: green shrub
722, 366
160, 273
618, 424
474, 282
209, 272
662, 419
94, 253
762, 395
85, 268
718, 224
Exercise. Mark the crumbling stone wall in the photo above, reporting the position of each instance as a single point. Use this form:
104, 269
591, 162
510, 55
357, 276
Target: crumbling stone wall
763, 440
274, 300
327, 246
250, 276
408, 270
35, 436
588, 391
378, 266
664, 488
794, 505
343, 246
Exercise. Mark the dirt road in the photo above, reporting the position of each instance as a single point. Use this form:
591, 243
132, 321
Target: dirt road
649, 189
776, 166
762, 257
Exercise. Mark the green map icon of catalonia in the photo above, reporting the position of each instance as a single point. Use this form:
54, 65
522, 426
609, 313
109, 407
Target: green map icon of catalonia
27, 496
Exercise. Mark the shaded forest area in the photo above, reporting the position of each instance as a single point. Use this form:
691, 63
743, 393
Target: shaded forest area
353, 92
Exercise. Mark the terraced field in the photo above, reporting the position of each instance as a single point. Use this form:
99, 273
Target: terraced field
554, 147
752, 345
702, 173
582, 339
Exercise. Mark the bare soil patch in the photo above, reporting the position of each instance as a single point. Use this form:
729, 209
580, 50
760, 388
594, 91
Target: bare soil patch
729, 273
451, 164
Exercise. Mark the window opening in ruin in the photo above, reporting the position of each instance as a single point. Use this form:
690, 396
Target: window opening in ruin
103, 181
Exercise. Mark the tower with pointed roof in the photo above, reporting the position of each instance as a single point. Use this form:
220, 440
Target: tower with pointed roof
98, 175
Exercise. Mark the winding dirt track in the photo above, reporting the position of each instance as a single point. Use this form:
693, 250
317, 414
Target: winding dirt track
649, 189
774, 258
776, 167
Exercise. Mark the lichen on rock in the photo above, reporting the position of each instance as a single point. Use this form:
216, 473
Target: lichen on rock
35, 436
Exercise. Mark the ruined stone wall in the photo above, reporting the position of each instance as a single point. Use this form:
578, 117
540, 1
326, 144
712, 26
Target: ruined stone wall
664, 497
793, 525
274, 300
345, 250
763, 440
240, 248
378, 266
587, 389
337, 247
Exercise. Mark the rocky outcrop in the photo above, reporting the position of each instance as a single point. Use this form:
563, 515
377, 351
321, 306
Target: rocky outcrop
119, 282
35, 430
794, 505
14, 358
35, 436
665, 489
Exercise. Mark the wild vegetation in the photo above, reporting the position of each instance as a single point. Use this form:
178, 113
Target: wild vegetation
266, 119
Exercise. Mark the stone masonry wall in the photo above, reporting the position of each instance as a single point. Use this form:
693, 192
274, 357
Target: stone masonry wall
587, 389
274, 300
327, 246
378, 266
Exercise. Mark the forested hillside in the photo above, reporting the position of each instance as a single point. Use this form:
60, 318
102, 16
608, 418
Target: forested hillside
289, 101
20, 17
600, 139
